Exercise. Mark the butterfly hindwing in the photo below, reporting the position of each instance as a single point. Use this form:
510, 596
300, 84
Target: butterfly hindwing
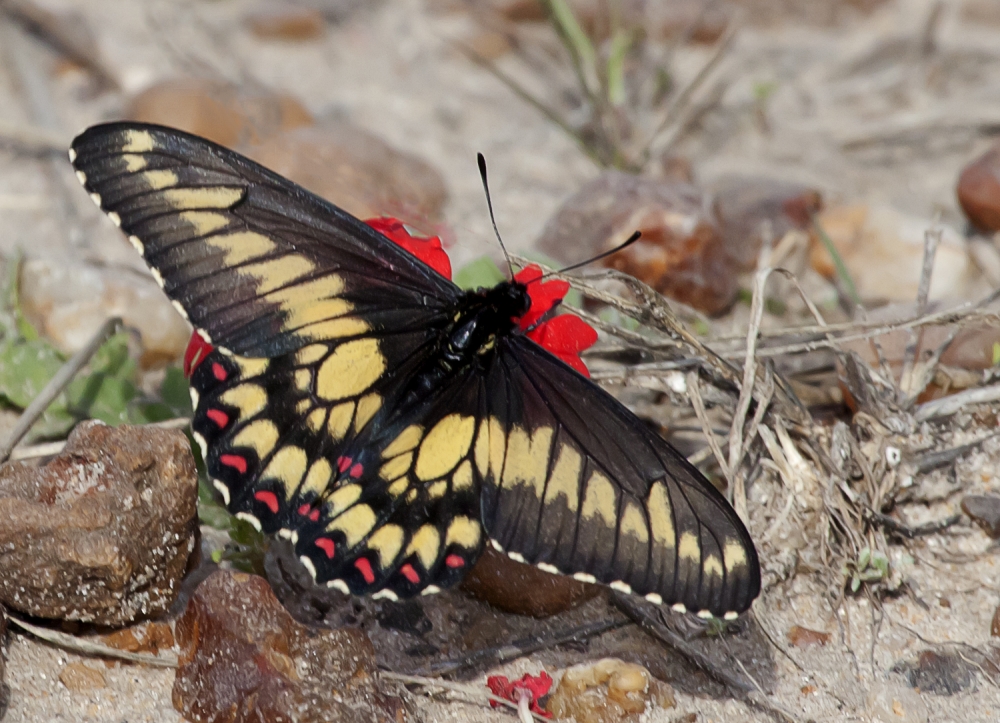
257, 263
575, 483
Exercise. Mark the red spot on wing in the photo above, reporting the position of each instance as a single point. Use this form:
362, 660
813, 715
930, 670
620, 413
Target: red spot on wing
268, 498
365, 568
218, 416
219, 371
409, 573
357, 470
304, 509
454, 561
234, 461
314, 515
326, 545
197, 350
343, 463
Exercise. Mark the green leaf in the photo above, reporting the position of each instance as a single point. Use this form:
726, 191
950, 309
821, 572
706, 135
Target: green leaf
481, 273
108, 390
25, 368
864, 557
176, 392
577, 41
996, 353
838, 263
210, 512
855, 583
620, 44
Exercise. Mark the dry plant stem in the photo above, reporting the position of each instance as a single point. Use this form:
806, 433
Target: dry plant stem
50, 449
51, 390
474, 692
932, 237
32, 138
683, 97
949, 405
694, 391
88, 647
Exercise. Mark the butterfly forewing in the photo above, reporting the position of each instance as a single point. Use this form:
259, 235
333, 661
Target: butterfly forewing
575, 483
260, 265
325, 416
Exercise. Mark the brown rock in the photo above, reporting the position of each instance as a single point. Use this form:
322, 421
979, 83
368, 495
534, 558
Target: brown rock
804, 637
81, 678
883, 250
938, 673
102, 533
518, 11
243, 658
681, 252
746, 208
149, 638
224, 113
607, 691
286, 22
357, 171
995, 623
979, 190
515, 587
984, 511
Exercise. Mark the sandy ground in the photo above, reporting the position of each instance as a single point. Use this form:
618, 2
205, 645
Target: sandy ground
391, 69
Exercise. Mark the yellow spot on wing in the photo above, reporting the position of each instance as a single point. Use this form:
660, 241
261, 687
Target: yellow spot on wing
437, 490
463, 531
387, 541
204, 222
316, 419
303, 380
498, 448
689, 549
333, 329
444, 446
367, 406
287, 466
324, 288
158, 179
527, 458
712, 566
482, 452
250, 366
207, 197
260, 436
340, 420
734, 555
134, 162
250, 399
408, 439
241, 246
356, 523
277, 273
633, 523
599, 499
462, 479
425, 543
565, 479
136, 141
399, 487
311, 354
318, 477
661, 519
396, 467
343, 498
352, 368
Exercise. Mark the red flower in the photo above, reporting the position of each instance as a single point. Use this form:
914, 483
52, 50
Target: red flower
535, 685
426, 249
565, 336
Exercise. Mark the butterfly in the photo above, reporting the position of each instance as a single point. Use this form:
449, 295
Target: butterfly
353, 400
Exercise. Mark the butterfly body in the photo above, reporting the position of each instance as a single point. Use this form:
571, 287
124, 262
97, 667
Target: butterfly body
383, 420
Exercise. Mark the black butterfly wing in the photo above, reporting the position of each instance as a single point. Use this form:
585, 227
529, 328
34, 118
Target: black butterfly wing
258, 264
575, 483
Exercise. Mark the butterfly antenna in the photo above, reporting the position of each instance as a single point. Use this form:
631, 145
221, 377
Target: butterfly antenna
489, 203
610, 252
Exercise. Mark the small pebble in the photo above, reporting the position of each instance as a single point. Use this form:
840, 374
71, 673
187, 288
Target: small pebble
979, 190
804, 637
81, 678
984, 511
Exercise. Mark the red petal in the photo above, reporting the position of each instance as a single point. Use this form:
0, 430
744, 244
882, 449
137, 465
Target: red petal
544, 294
565, 336
197, 350
428, 249
536, 685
